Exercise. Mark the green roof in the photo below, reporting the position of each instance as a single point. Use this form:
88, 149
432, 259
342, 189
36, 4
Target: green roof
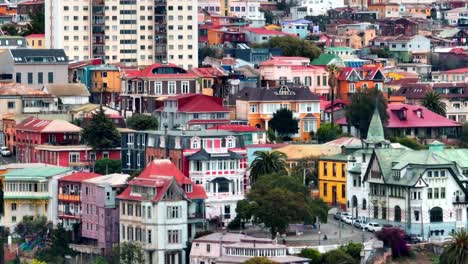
325, 59
375, 133
356, 169
35, 173
336, 157
339, 49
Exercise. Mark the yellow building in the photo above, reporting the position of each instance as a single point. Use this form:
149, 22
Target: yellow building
36, 41
332, 179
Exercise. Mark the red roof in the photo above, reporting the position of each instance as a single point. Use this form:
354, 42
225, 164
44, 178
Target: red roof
345, 72
198, 103
208, 72
207, 121
79, 176
41, 125
32, 2
164, 167
264, 31
461, 70
148, 72
236, 128
426, 119
289, 58
35, 36
159, 182
326, 104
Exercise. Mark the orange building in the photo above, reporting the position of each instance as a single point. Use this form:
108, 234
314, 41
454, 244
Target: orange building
6, 9
257, 105
352, 80
385, 10
209, 79
105, 84
36, 41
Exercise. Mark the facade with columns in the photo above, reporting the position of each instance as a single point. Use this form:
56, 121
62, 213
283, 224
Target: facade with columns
141, 89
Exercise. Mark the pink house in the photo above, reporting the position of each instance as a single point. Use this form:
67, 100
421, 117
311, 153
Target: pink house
282, 70
100, 210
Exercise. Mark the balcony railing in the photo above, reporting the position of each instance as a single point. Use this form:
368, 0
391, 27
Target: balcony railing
69, 214
69, 197
198, 215
460, 199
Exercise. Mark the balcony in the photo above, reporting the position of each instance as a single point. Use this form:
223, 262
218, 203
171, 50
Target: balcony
460, 199
69, 214
69, 197
197, 215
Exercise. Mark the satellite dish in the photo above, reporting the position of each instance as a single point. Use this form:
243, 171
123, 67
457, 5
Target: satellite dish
234, 81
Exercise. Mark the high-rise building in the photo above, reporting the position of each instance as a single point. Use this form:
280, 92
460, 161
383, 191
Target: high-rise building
127, 31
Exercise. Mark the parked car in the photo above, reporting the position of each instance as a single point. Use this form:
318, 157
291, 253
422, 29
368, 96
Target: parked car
348, 219
5, 151
373, 227
343, 215
359, 223
337, 216
413, 238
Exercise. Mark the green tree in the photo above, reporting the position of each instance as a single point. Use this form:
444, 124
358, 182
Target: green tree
464, 134
312, 254
100, 260
359, 111
271, 135
101, 132
30, 225
292, 46
59, 249
284, 123
107, 166
259, 260
142, 122
433, 102
267, 162
36, 25
209, 51
328, 132
337, 256
129, 253
333, 73
456, 250
10, 29
269, 16
278, 199
353, 249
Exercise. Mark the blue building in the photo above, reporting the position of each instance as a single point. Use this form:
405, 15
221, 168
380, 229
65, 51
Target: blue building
298, 27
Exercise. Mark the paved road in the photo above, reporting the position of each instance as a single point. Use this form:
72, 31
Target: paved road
7, 160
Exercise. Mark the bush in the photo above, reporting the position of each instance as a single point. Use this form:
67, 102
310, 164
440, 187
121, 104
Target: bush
312, 254
408, 142
107, 166
337, 256
394, 238
327, 132
142, 122
353, 249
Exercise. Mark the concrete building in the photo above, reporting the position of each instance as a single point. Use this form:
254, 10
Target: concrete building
100, 210
132, 32
314, 8
32, 192
35, 67
71, 95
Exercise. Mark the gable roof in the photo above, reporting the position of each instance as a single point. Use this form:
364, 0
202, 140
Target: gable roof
427, 119
79, 176
66, 89
41, 125
325, 59
273, 94
375, 133
164, 167
195, 103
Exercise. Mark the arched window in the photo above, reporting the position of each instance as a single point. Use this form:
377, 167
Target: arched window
230, 142
436, 214
354, 201
397, 214
364, 204
195, 143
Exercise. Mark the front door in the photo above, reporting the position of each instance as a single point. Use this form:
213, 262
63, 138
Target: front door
334, 195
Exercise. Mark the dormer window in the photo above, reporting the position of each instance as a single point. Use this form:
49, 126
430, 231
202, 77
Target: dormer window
419, 113
188, 188
177, 143
230, 142
195, 143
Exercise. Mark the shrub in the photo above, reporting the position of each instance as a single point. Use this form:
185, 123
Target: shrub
394, 239
337, 256
312, 254
353, 249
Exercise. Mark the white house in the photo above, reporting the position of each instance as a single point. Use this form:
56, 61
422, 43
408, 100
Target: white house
227, 248
158, 210
315, 7
249, 10
70, 94
261, 35
453, 16
402, 43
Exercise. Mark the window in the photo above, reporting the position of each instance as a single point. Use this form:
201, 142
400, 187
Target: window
105, 155
149, 237
384, 213
343, 191
309, 125
436, 193
11, 105
376, 212
149, 212
230, 142
185, 87
173, 236
208, 248
171, 88
436, 214
397, 214
253, 108
158, 87
325, 189
429, 193
13, 206
18, 77
74, 157
173, 212
195, 144
30, 77
351, 87
40, 77
442, 193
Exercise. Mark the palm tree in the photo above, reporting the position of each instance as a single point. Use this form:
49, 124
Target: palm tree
267, 162
456, 250
432, 101
333, 72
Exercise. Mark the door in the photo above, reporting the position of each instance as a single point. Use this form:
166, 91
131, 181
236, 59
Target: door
333, 195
